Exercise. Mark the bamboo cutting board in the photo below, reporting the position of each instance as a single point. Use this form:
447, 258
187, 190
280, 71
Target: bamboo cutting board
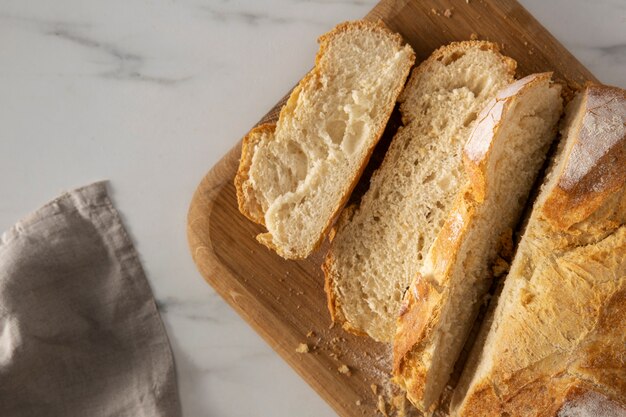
283, 300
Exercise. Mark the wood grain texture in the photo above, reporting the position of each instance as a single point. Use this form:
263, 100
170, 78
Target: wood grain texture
284, 300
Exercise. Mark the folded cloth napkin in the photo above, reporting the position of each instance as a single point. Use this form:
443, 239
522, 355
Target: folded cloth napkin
80, 334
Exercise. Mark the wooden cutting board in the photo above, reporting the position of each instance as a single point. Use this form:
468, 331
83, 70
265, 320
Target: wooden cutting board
284, 301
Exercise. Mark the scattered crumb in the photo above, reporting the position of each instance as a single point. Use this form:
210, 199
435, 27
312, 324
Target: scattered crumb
473, 36
374, 388
435, 12
382, 406
311, 333
302, 348
400, 404
525, 43
332, 324
448, 13
334, 356
358, 402
500, 267
530, 52
467, 1
343, 369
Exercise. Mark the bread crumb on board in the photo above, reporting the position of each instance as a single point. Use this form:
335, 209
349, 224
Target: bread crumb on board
344, 369
473, 36
382, 406
374, 388
358, 402
302, 348
311, 333
446, 13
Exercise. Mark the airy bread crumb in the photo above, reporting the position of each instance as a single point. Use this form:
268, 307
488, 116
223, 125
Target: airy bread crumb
379, 246
295, 176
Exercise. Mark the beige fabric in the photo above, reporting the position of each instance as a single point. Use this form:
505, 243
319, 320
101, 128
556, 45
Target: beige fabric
80, 334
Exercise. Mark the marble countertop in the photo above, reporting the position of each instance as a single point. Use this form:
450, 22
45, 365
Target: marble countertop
150, 94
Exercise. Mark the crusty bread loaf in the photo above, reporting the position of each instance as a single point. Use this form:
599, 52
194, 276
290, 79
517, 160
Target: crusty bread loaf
502, 157
556, 345
378, 247
296, 176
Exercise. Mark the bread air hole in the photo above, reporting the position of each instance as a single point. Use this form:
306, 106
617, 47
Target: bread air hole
469, 119
355, 136
449, 59
428, 178
336, 130
480, 86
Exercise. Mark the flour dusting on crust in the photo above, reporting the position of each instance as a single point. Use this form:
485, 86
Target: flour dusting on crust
591, 404
604, 120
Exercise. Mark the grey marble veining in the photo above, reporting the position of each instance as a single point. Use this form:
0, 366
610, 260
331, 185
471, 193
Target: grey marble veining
150, 94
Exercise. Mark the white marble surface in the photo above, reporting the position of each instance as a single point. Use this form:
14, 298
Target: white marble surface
150, 94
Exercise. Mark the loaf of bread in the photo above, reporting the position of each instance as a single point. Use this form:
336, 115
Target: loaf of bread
378, 247
295, 177
556, 343
502, 158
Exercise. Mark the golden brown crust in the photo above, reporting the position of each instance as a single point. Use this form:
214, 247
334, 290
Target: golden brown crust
336, 313
313, 77
419, 311
593, 172
244, 197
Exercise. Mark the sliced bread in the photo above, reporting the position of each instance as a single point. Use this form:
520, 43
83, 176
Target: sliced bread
556, 344
502, 158
378, 247
294, 177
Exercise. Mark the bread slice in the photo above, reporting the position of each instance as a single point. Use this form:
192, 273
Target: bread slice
556, 345
502, 158
294, 177
378, 247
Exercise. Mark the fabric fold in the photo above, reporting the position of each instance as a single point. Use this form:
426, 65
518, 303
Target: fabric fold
80, 334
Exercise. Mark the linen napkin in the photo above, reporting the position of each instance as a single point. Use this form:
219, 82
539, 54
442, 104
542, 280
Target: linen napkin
80, 334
